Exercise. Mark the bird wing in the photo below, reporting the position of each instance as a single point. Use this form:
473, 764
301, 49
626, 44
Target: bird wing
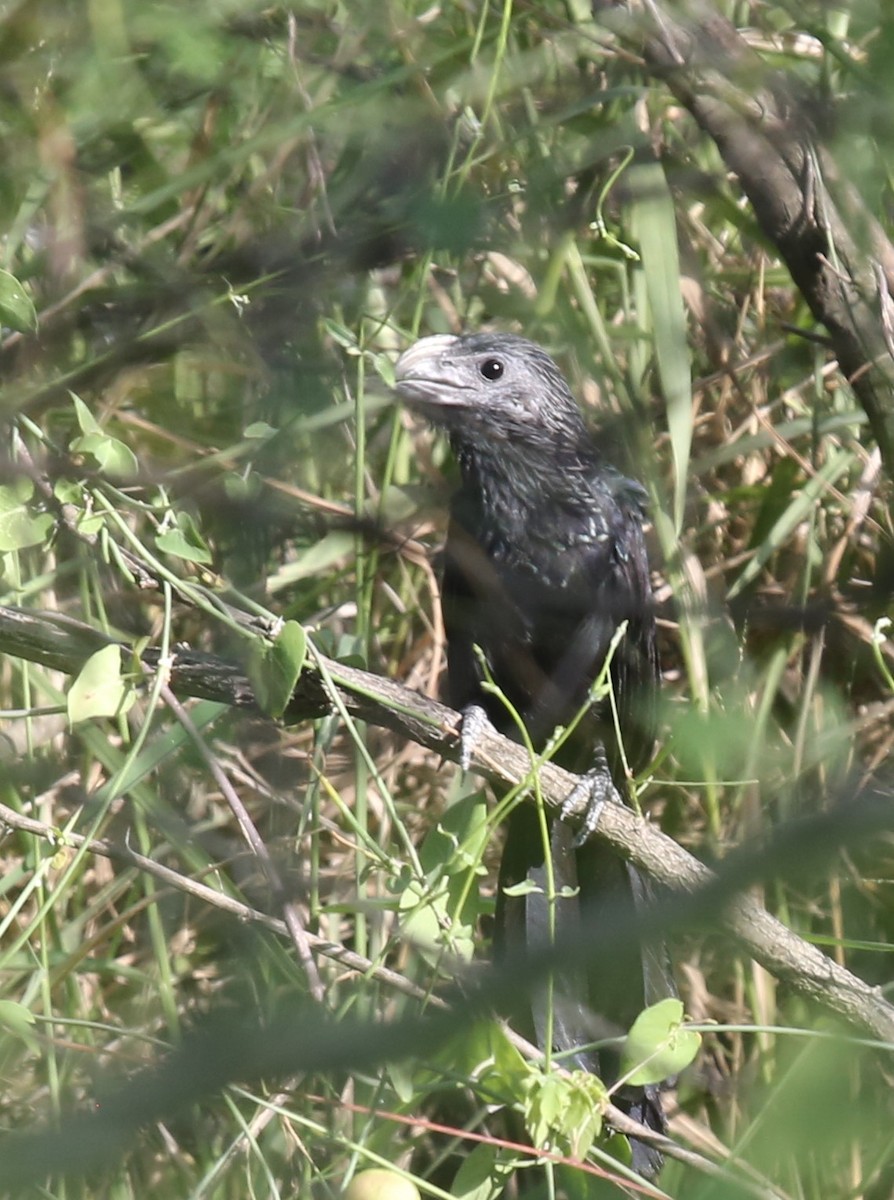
543, 614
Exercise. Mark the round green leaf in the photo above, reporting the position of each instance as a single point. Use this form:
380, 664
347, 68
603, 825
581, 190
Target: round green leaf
15, 1017
113, 457
183, 540
659, 1045
99, 690
19, 526
18, 1021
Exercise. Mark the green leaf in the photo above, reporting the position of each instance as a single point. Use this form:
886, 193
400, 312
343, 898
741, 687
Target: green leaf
383, 364
341, 335
16, 307
90, 524
654, 223
483, 1053
457, 842
527, 887
112, 456
564, 1112
68, 491
183, 540
658, 1045
441, 911
274, 667
15, 1016
483, 1174
18, 1021
582, 1116
73, 494
431, 921
319, 559
20, 529
19, 526
259, 429
99, 690
240, 487
775, 497
85, 418
18, 492
402, 1077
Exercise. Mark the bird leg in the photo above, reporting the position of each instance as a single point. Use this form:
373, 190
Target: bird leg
585, 801
583, 804
476, 723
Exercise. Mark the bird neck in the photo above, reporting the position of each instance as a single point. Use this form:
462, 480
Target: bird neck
519, 476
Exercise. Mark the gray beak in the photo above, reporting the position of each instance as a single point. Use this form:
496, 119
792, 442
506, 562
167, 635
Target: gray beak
419, 362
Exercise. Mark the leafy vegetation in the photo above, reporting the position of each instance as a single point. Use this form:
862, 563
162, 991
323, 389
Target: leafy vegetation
221, 223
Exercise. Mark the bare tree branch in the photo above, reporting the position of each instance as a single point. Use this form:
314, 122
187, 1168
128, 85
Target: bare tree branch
838, 254
65, 645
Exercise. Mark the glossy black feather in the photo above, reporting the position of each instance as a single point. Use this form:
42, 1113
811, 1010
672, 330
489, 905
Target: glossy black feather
540, 579
545, 559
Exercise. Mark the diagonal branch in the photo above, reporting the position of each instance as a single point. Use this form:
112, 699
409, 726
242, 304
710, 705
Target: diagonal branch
837, 253
64, 645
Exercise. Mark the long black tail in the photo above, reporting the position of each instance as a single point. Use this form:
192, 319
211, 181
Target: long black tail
591, 1000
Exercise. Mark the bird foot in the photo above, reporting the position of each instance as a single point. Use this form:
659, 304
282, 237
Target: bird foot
584, 803
475, 724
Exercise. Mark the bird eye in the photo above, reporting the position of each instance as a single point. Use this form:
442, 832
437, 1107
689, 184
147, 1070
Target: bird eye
491, 369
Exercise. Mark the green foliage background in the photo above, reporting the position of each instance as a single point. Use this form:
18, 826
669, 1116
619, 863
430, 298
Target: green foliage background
229, 218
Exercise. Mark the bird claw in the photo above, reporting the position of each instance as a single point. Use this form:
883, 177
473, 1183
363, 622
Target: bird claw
584, 803
475, 724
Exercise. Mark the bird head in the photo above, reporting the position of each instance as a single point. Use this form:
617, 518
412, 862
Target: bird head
488, 386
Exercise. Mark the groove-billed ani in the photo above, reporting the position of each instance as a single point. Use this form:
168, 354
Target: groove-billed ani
544, 560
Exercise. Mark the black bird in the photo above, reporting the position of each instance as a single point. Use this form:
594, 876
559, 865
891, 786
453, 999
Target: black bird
545, 559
